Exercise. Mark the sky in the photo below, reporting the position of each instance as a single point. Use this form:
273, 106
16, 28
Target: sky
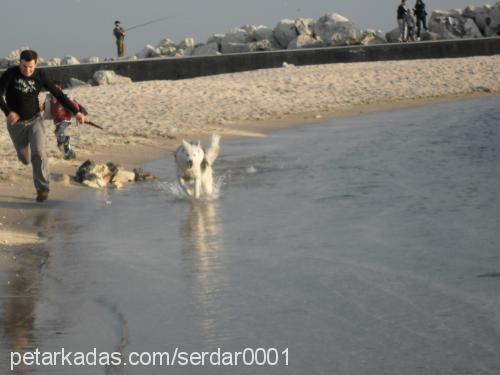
83, 28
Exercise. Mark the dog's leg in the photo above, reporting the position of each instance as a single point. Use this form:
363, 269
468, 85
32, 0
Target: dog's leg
184, 187
197, 188
208, 183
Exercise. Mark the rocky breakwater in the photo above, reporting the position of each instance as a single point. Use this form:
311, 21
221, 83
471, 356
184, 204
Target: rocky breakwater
330, 30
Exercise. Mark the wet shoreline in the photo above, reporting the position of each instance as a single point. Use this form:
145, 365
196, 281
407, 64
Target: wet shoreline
363, 245
19, 209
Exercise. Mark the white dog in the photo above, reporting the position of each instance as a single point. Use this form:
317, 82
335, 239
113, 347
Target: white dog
194, 167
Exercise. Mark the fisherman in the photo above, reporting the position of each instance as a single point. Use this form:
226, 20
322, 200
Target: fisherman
119, 33
19, 89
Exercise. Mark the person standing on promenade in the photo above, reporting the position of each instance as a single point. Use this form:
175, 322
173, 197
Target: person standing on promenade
19, 89
119, 33
421, 15
410, 27
402, 13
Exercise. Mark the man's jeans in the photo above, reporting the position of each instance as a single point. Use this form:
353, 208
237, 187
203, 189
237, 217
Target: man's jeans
28, 138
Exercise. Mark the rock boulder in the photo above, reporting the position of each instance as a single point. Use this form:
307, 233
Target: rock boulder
206, 50
73, 82
263, 33
148, 51
336, 30
70, 60
12, 58
284, 32
305, 41
235, 47
109, 77
453, 25
186, 43
371, 37
91, 60
429, 35
55, 61
393, 36
486, 17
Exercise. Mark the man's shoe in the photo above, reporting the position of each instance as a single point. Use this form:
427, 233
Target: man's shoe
42, 195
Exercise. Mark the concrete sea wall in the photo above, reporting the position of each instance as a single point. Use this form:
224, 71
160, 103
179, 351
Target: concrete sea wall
190, 67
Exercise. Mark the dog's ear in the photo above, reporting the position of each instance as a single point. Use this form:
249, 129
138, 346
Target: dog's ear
198, 143
185, 144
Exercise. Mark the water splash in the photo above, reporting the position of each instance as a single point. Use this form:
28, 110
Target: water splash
175, 190
218, 183
170, 188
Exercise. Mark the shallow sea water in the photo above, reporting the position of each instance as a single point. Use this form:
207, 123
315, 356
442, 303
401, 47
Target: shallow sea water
366, 245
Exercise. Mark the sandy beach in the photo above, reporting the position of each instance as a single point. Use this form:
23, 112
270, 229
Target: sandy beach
146, 120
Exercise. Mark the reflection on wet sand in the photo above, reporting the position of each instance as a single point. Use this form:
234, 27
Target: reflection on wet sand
20, 292
202, 231
202, 245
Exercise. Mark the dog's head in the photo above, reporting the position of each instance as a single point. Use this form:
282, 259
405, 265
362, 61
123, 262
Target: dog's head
189, 154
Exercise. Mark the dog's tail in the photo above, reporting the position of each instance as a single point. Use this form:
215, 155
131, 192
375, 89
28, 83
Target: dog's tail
213, 150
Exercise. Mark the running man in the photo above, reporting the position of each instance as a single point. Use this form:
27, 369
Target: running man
19, 89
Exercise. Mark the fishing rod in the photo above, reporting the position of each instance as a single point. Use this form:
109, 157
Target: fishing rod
148, 23
93, 124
